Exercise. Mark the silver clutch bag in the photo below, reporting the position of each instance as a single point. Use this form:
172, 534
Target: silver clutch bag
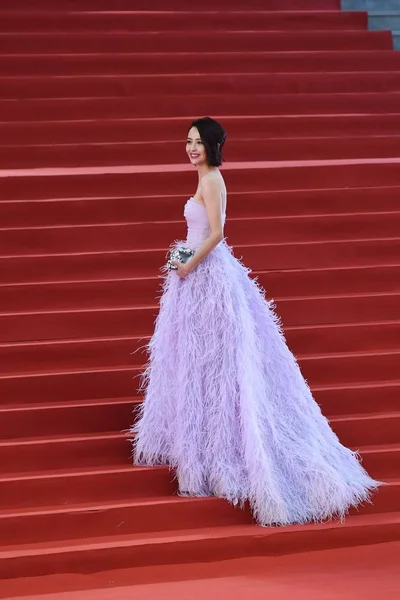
180, 254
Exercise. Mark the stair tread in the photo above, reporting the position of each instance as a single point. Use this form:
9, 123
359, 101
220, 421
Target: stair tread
91, 99
357, 353
140, 76
392, 352
94, 506
76, 371
72, 437
153, 305
110, 435
94, 340
162, 168
89, 340
237, 246
131, 196
358, 385
56, 405
366, 417
287, 140
337, 52
97, 506
138, 399
86, 491
378, 448
187, 12
77, 472
267, 218
233, 531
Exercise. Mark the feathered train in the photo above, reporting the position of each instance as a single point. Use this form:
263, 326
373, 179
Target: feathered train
227, 406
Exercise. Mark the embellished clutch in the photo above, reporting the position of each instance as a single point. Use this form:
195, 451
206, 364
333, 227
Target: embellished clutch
180, 254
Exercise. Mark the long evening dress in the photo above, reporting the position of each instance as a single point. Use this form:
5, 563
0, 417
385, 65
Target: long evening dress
226, 405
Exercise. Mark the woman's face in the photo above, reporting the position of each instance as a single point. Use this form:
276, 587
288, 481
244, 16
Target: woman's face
195, 148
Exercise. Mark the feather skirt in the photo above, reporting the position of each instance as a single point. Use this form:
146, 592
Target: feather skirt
227, 407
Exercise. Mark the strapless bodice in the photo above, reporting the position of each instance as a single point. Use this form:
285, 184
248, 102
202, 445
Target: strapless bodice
197, 223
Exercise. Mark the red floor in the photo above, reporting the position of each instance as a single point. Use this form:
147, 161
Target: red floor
93, 108
369, 572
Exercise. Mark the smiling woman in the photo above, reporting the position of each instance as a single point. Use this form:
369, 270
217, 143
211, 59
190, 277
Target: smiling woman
225, 402
204, 142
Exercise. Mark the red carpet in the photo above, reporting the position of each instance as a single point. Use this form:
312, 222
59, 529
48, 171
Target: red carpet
367, 572
94, 101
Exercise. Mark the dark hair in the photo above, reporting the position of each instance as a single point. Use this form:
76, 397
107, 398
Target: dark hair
213, 137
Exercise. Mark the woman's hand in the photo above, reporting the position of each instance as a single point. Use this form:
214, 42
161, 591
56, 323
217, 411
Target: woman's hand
183, 268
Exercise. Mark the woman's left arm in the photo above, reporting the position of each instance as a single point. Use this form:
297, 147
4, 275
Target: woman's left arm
211, 192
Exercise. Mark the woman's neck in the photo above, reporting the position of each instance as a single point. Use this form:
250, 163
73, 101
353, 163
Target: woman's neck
204, 169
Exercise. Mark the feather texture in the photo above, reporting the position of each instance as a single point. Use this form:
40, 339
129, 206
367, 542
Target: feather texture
226, 404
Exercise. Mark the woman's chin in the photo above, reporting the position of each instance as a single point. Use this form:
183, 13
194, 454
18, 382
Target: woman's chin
196, 162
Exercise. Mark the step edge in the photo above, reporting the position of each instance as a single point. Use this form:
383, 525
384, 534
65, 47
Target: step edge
135, 368
174, 500
43, 549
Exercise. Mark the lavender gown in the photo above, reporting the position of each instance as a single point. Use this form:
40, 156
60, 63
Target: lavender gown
227, 406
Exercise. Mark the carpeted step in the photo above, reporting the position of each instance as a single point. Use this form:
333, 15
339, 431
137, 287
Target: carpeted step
254, 127
75, 42
141, 516
113, 381
26, 357
117, 518
129, 207
354, 337
143, 236
320, 254
146, 264
243, 177
106, 484
97, 450
326, 248
373, 429
382, 462
357, 398
117, 483
73, 451
159, 5
133, 21
147, 153
94, 416
149, 106
74, 417
181, 62
140, 86
364, 307
200, 545
119, 292
320, 369
326, 369
138, 320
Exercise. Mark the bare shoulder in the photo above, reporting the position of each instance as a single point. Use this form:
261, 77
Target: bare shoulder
212, 183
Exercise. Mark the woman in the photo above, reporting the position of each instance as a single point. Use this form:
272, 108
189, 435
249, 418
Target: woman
225, 402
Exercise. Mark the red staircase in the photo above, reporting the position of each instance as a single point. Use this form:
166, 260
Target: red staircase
94, 107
